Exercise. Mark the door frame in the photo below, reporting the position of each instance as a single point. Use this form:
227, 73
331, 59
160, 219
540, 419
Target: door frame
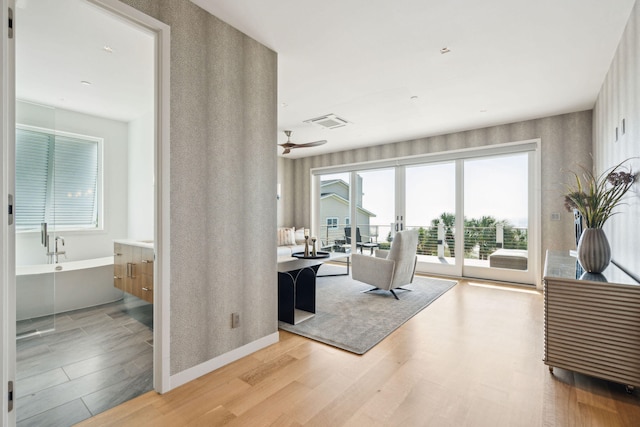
532, 275
161, 286
7, 247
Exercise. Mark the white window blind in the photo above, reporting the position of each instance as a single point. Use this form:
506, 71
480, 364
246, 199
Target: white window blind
56, 180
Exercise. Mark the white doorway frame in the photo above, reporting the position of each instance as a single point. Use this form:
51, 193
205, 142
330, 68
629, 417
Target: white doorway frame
161, 352
161, 312
7, 247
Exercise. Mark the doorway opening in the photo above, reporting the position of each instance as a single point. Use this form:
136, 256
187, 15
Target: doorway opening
85, 81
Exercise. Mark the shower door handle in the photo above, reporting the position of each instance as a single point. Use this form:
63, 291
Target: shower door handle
10, 209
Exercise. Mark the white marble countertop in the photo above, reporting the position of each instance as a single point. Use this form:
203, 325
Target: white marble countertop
142, 243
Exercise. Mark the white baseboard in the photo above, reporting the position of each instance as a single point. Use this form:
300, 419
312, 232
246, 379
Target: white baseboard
217, 362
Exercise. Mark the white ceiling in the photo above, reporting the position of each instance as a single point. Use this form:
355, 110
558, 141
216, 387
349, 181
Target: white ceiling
362, 60
61, 43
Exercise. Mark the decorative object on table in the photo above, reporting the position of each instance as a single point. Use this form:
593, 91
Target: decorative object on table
318, 255
313, 246
306, 242
595, 198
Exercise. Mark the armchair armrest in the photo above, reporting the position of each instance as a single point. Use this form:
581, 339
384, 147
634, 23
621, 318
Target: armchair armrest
377, 272
381, 253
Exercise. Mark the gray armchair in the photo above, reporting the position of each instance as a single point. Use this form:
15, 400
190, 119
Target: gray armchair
391, 269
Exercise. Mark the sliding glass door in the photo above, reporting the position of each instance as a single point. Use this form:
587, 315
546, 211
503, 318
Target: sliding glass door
373, 227
496, 217
476, 211
334, 210
430, 207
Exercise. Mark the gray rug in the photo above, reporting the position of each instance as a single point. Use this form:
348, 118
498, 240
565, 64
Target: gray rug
354, 321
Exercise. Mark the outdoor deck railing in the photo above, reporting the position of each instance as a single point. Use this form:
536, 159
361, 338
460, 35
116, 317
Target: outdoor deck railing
438, 240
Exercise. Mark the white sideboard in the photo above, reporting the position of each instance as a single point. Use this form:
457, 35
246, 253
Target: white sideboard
591, 321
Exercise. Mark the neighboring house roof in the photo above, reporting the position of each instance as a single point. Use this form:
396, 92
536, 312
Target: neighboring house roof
346, 202
331, 182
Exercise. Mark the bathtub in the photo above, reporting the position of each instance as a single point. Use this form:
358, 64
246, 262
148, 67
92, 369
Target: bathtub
78, 284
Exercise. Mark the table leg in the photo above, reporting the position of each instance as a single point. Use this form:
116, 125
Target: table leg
339, 274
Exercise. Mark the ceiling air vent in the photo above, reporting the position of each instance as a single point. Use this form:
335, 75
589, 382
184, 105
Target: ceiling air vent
330, 121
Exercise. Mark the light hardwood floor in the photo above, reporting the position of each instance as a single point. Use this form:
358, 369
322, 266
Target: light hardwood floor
472, 358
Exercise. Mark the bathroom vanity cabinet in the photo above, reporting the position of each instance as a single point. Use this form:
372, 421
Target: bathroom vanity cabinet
133, 268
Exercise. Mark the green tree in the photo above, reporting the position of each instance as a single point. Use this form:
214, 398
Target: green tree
480, 233
425, 242
515, 238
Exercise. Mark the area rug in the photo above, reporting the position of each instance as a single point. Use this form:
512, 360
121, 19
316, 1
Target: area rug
354, 321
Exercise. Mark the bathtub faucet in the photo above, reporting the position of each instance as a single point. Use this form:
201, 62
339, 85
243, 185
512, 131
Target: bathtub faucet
53, 256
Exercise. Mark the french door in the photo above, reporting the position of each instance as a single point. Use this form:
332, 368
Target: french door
498, 217
476, 211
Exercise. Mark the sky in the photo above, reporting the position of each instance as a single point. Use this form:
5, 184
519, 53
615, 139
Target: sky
494, 186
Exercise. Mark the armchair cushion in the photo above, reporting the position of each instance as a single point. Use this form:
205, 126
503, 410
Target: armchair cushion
403, 252
299, 235
286, 236
376, 272
381, 253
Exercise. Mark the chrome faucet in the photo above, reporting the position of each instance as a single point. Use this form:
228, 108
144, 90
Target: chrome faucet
58, 239
53, 256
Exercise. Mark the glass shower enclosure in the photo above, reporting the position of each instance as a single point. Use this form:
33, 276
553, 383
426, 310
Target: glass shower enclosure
38, 246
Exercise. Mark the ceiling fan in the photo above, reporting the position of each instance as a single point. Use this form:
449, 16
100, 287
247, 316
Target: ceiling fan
288, 146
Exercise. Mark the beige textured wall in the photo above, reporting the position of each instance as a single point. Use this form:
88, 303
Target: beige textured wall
286, 204
223, 184
619, 99
566, 140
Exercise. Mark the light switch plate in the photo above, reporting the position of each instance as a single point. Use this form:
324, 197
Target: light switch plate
235, 320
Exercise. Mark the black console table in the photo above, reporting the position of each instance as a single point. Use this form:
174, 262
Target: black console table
297, 287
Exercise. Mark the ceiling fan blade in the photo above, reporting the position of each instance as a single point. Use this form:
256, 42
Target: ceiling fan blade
288, 145
312, 144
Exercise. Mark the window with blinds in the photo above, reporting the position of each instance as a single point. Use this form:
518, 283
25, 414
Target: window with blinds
56, 181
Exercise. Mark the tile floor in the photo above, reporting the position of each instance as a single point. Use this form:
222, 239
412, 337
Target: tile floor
95, 359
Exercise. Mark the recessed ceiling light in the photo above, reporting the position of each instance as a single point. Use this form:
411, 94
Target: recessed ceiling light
445, 50
284, 105
108, 49
86, 83
414, 98
483, 111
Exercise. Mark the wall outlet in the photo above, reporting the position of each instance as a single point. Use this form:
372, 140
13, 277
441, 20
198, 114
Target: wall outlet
235, 320
555, 216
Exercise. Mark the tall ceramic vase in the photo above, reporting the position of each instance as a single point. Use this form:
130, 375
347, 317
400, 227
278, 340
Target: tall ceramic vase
594, 252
